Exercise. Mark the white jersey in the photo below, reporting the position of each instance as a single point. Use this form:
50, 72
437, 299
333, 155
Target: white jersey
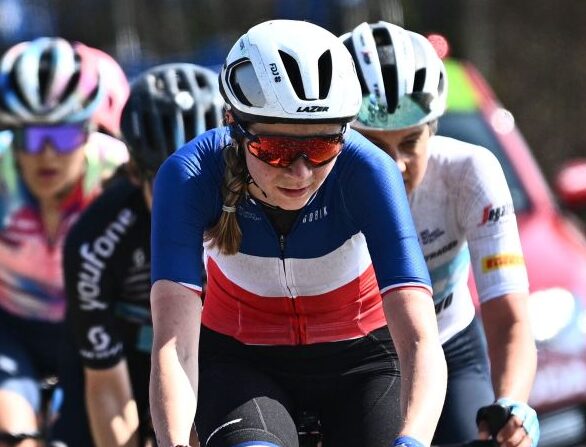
464, 215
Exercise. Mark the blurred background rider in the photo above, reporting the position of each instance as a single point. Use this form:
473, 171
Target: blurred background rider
168, 106
49, 91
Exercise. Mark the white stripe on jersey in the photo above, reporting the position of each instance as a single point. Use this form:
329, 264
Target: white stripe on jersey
316, 276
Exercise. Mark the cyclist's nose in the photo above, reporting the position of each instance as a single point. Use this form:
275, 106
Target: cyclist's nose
401, 163
300, 168
48, 151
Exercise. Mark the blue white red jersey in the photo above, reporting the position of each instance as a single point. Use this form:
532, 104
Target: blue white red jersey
464, 217
31, 276
322, 282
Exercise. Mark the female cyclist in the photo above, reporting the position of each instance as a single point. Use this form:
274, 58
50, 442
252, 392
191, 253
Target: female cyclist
49, 90
168, 106
464, 216
314, 272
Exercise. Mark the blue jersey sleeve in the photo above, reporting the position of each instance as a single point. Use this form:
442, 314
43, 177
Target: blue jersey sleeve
377, 201
186, 201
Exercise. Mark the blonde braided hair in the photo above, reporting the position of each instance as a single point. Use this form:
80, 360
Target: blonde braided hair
226, 234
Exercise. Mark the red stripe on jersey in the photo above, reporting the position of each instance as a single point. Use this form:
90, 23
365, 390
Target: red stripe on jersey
348, 312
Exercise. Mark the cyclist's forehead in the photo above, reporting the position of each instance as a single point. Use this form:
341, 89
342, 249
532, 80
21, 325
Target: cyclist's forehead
294, 128
392, 136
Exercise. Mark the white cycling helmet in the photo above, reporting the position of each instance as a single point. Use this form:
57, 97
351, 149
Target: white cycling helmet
403, 80
48, 80
290, 71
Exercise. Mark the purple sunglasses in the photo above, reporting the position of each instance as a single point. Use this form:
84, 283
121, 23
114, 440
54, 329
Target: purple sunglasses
63, 138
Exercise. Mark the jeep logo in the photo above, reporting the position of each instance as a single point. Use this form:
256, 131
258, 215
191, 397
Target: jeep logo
312, 109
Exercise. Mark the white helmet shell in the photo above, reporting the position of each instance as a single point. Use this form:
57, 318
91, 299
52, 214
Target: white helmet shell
290, 71
404, 82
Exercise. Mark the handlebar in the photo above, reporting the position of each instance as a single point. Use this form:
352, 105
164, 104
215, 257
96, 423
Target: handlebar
495, 415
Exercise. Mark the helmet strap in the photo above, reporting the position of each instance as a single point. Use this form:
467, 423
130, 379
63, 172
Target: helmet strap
250, 181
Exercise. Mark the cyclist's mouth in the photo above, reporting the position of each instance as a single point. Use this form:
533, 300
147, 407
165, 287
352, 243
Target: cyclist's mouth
293, 192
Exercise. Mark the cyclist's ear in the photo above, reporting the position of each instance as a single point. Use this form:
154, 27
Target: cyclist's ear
228, 117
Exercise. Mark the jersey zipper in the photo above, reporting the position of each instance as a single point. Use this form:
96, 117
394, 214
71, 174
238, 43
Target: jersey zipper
299, 332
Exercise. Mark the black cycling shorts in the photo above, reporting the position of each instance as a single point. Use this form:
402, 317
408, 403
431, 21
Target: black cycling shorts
469, 386
256, 393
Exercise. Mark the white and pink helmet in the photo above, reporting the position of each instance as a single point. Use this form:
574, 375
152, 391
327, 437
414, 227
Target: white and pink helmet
49, 80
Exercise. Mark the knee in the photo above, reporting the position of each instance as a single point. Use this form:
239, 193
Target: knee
16, 413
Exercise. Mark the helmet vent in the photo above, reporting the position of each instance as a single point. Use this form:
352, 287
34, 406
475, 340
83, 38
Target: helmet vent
441, 84
45, 80
386, 55
382, 37
182, 82
239, 93
325, 74
390, 81
419, 80
245, 85
202, 81
15, 85
350, 46
294, 74
190, 128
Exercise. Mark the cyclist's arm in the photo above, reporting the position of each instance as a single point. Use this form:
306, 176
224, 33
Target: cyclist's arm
511, 347
487, 214
176, 312
111, 406
411, 320
513, 359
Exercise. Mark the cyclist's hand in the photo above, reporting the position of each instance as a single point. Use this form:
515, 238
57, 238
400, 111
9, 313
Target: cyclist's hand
520, 430
511, 435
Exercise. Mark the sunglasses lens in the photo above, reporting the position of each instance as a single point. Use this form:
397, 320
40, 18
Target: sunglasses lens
281, 151
63, 138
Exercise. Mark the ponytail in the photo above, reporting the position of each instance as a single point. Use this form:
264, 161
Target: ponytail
226, 234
